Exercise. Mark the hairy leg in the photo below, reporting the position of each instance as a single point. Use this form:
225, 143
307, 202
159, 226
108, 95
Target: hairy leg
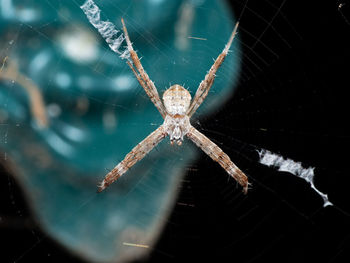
136, 154
208, 81
219, 156
142, 76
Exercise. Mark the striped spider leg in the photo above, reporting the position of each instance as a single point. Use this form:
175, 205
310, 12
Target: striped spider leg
210, 148
142, 76
136, 154
176, 110
208, 81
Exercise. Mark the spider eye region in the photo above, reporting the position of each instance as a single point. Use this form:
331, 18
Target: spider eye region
177, 100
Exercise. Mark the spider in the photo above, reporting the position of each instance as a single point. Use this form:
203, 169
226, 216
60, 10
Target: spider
176, 110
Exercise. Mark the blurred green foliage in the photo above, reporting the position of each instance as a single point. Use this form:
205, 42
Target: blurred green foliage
70, 109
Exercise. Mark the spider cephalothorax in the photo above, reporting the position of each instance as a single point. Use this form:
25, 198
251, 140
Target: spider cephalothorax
176, 111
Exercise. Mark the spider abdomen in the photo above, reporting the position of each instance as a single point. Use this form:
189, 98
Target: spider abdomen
177, 100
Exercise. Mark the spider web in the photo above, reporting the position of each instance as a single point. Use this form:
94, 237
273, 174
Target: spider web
287, 103
290, 105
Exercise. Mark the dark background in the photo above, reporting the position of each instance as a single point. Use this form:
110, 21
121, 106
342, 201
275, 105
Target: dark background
291, 99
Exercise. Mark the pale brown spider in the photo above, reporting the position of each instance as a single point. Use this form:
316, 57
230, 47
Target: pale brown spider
176, 111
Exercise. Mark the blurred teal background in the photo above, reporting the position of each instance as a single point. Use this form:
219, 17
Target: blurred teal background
70, 109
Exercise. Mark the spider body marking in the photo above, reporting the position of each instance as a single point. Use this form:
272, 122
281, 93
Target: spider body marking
177, 109
177, 101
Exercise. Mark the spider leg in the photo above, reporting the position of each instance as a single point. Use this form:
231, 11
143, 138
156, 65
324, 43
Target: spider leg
142, 76
136, 154
219, 156
208, 81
